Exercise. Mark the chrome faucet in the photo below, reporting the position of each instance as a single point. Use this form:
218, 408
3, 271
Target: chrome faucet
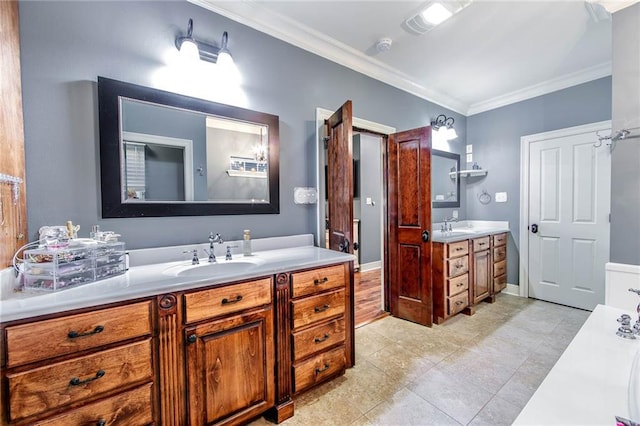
636, 326
213, 239
450, 219
228, 256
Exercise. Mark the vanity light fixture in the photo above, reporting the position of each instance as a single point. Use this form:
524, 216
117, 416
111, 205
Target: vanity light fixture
433, 14
443, 125
194, 49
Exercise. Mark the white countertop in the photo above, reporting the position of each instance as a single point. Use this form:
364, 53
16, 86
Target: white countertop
150, 279
467, 229
589, 383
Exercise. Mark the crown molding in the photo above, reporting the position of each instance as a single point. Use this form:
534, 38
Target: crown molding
613, 6
256, 16
552, 85
260, 18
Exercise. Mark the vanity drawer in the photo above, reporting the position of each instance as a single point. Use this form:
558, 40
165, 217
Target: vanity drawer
318, 338
457, 266
499, 239
458, 302
60, 336
132, 408
317, 280
499, 253
316, 308
458, 249
205, 304
55, 385
480, 244
318, 368
500, 268
500, 283
458, 284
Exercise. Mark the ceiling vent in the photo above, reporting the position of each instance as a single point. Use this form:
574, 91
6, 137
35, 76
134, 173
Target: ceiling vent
425, 21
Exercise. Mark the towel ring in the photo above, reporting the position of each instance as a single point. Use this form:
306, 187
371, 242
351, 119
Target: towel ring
485, 197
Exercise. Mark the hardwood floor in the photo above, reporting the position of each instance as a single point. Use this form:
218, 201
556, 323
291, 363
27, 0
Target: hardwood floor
368, 297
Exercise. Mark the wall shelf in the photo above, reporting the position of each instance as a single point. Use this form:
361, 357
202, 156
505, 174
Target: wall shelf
465, 173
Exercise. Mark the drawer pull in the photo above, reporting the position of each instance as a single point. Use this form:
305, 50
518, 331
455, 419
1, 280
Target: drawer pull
324, 368
459, 302
321, 339
458, 265
459, 284
74, 334
226, 301
77, 382
101, 422
322, 281
481, 244
321, 308
459, 248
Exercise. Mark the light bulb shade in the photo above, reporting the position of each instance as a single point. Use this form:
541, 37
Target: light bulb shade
451, 133
224, 59
189, 50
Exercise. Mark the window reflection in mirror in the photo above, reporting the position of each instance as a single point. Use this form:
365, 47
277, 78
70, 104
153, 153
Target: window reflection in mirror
445, 179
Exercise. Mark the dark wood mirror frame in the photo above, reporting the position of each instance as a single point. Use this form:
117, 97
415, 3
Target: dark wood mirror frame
109, 93
456, 158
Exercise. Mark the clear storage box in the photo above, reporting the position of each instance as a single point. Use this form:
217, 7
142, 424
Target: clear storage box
53, 269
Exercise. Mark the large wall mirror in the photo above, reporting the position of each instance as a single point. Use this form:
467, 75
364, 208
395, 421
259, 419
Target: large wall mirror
445, 179
164, 154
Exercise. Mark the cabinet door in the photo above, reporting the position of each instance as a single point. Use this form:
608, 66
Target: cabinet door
230, 368
481, 277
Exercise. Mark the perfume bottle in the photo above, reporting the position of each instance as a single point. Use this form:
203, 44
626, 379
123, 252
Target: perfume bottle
246, 243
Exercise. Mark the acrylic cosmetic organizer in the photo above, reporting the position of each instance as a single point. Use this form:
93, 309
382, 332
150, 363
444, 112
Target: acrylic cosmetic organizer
53, 269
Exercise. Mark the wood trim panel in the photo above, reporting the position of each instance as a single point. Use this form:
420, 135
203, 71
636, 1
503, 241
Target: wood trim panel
13, 218
170, 379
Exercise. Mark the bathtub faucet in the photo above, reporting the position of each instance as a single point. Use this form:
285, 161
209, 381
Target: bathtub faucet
636, 326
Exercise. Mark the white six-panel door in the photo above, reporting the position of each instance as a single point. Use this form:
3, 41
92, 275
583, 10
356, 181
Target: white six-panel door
569, 202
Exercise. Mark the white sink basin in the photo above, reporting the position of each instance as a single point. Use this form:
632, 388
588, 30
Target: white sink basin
221, 267
461, 231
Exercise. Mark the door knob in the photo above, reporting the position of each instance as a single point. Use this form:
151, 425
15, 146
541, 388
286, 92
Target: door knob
344, 246
534, 228
425, 236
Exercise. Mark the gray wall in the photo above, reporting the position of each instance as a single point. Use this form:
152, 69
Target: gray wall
625, 158
66, 45
496, 134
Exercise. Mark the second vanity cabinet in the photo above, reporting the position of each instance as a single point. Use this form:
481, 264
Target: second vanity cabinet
467, 272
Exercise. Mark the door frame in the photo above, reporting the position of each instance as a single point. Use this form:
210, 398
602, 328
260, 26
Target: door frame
323, 114
525, 143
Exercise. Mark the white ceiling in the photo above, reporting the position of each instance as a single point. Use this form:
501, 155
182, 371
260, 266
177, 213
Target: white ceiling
490, 54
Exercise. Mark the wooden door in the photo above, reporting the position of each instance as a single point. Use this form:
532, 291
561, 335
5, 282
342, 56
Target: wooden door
230, 368
569, 204
409, 177
481, 275
340, 179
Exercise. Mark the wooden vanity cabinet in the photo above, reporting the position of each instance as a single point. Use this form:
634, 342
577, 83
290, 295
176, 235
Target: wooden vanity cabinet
481, 272
85, 368
499, 251
450, 276
321, 325
230, 355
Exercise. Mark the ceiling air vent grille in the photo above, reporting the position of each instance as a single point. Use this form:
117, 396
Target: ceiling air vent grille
418, 25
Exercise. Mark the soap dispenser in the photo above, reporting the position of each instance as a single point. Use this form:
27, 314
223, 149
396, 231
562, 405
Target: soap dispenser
246, 243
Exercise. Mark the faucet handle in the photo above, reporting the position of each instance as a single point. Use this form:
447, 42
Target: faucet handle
229, 256
194, 260
634, 290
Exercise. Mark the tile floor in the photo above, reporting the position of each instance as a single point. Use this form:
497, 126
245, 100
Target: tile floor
477, 370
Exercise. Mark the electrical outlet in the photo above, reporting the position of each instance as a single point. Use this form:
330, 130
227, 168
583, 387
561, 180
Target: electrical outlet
501, 197
469, 158
455, 214
469, 149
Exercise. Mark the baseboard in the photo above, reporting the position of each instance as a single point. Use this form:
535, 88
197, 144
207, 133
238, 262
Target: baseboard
512, 289
364, 267
619, 278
